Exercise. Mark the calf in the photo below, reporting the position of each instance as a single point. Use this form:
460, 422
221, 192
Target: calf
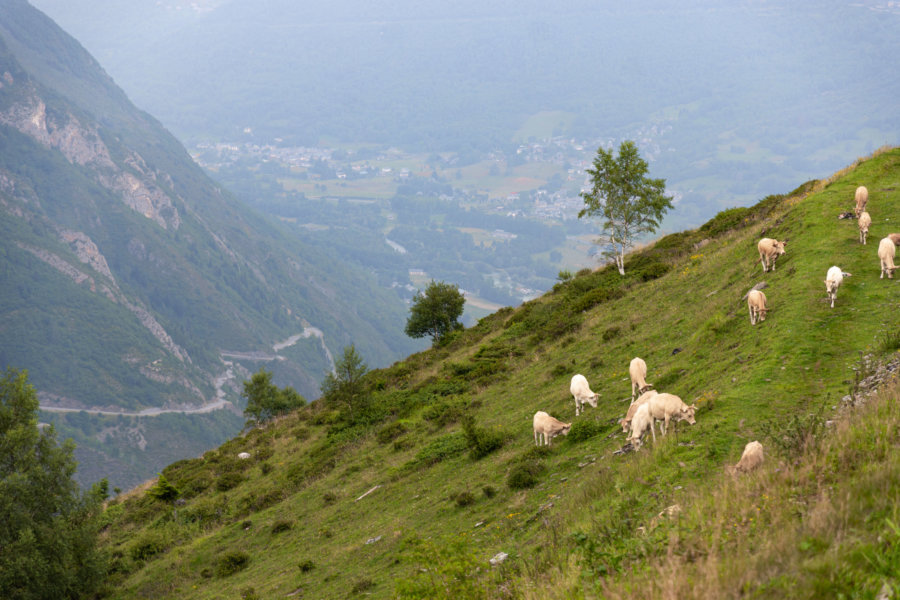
639, 424
769, 250
886, 253
582, 393
669, 407
864, 221
756, 301
626, 422
546, 428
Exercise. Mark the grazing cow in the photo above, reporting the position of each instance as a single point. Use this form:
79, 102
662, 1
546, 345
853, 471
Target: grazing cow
546, 428
833, 280
641, 422
886, 252
769, 251
864, 221
582, 393
669, 407
244, 455
626, 422
638, 371
862, 198
756, 301
750, 459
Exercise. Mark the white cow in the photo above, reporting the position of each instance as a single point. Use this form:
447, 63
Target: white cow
546, 428
638, 371
639, 424
756, 301
582, 393
862, 198
626, 422
750, 459
865, 220
886, 252
669, 407
833, 280
769, 250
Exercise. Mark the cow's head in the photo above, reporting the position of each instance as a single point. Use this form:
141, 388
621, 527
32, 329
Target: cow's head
565, 429
626, 425
687, 413
779, 248
592, 399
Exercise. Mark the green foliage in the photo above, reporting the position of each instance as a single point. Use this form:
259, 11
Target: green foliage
584, 429
445, 569
163, 490
49, 528
307, 565
480, 441
282, 525
797, 433
629, 203
440, 449
345, 387
435, 312
524, 475
231, 562
265, 401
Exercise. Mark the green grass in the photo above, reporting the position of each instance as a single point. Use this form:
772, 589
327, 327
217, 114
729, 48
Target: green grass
572, 530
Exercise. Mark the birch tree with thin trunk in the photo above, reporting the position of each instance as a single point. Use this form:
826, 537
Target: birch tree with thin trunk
629, 203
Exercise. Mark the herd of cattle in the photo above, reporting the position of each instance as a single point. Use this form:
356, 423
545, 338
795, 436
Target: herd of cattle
649, 407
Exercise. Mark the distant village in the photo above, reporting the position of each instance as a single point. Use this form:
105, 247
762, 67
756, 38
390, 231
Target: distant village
557, 200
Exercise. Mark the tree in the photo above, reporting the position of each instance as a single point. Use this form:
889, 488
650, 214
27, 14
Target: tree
265, 401
435, 312
345, 385
48, 527
629, 203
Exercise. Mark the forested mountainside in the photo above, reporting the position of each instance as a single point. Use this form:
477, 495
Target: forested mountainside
130, 280
431, 472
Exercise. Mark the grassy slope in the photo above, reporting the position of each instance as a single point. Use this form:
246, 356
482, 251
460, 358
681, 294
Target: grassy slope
501, 371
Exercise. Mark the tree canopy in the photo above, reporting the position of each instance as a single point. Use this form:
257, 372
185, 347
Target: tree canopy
48, 527
629, 203
345, 386
435, 311
265, 400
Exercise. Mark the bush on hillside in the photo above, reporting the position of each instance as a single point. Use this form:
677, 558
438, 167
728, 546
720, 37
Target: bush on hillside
480, 441
232, 562
524, 475
584, 430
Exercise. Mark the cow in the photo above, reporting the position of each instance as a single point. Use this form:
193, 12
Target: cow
865, 220
769, 251
886, 252
626, 422
756, 301
833, 280
669, 407
638, 371
862, 198
750, 459
639, 424
582, 393
546, 428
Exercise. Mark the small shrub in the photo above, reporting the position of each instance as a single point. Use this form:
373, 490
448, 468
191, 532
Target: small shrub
584, 430
524, 475
329, 498
480, 441
466, 498
796, 434
265, 468
564, 276
559, 370
390, 432
232, 562
228, 480
363, 585
206, 573
249, 593
611, 333
307, 565
489, 491
282, 526
891, 340
726, 220
441, 448
404, 443
147, 547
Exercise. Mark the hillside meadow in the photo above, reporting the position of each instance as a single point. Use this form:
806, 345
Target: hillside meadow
412, 491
